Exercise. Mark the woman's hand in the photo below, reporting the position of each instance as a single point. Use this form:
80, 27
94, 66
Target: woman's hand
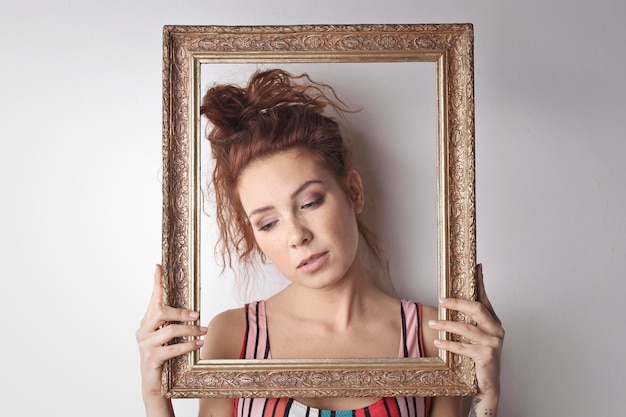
153, 338
483, 346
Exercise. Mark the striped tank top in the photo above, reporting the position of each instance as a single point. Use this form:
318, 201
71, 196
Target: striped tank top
256, 346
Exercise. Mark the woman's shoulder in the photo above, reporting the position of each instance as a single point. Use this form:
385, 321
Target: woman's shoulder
429, 335
428, 312
229, 317
225, 333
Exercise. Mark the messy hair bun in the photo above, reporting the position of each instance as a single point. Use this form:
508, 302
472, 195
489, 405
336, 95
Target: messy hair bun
234, 112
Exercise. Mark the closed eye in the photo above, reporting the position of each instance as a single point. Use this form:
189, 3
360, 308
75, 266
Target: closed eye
313, 204
267, 226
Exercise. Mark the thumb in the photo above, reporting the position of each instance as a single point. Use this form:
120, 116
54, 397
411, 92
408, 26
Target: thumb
482, 294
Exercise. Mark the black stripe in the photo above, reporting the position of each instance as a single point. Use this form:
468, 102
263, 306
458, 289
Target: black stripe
414, 406
245, 336
367, 412
427, 406
419, 330
275, 406
250, 406
265, 402
387, 408
256, 344
406, 403
395, 401
267, 340
288, 406
404, 347
308, 410
332, 413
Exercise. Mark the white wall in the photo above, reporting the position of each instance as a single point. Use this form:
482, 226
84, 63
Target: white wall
80, 106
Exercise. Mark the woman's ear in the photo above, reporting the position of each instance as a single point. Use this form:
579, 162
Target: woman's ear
355, 185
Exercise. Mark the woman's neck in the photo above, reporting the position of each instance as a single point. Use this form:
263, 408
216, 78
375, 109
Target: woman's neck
334, 308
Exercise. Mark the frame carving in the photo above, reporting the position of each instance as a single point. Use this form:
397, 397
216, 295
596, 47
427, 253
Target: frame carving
185, 48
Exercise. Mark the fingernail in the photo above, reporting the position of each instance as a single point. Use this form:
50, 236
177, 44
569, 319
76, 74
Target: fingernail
199, 342
437, 342
432, 323
203, 329
194, 315
443, 300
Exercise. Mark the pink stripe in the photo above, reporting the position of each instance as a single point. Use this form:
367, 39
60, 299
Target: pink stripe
421, 410
251, 407
406, 407
264, 339
257, 332
410, 312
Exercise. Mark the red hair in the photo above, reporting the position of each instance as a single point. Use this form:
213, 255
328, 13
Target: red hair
274, 112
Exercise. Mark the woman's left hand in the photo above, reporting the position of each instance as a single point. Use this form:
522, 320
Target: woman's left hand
483, 340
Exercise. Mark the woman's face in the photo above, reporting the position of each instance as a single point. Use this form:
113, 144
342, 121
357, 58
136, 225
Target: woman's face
301, 217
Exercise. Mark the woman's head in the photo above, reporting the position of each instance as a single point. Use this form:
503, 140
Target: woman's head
301, 217
275, 112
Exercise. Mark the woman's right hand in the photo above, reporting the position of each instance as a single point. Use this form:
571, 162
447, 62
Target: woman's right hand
153, 338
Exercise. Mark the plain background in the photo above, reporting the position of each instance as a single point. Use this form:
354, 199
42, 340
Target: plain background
80, 225
394, 136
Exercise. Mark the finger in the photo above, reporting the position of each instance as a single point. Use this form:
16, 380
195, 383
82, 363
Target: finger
482, 294
471, 334
466, 349
168, 333
476, 310
157, 289
465, 330
158, 315
177, 349
156, 357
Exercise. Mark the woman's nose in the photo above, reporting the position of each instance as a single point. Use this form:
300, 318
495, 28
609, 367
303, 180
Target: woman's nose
299, 234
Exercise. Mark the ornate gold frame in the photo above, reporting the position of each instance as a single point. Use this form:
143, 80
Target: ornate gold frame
185, 48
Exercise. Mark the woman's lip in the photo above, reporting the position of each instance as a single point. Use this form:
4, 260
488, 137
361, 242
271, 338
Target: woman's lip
312, 263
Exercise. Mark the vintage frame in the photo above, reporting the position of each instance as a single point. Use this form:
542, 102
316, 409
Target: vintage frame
450, 46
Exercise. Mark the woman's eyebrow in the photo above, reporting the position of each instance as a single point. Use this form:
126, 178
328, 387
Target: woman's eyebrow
293, 195
259, 211
303, 187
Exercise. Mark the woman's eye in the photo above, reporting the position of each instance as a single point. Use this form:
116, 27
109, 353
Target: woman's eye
313, 203
266, 226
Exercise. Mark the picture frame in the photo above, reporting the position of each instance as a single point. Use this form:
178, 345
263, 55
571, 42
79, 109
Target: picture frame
450, 47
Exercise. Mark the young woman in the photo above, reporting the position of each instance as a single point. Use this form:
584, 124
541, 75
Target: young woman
285, 190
